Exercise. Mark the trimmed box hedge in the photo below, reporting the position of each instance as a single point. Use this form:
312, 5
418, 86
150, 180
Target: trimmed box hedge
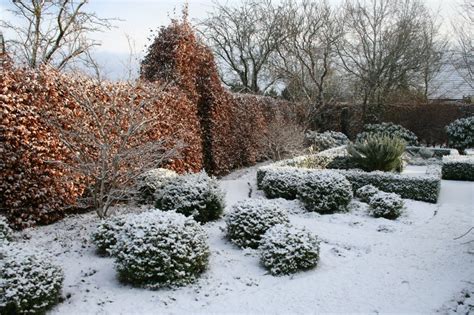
458, 168
422, 188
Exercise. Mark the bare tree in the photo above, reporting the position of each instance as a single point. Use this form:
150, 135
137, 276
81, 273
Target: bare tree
383, 48
52, 32
243, 39
305, 58
463, 28
112, 137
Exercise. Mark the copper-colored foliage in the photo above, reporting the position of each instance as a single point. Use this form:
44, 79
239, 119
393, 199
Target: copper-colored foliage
221, 131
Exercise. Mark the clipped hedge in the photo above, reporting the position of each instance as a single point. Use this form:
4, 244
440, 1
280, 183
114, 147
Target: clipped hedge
422, 188
458, 168
386, 205
105, 235
324, 191
282, 182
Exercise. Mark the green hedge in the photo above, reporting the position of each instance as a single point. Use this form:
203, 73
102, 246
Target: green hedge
458, 168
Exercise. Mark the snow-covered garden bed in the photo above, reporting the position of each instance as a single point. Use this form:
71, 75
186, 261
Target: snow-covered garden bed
416, 263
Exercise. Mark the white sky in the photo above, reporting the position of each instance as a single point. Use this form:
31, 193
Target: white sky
140, 16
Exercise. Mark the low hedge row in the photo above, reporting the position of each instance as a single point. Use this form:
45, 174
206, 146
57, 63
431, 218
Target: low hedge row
422, 188
458, 168
437, 152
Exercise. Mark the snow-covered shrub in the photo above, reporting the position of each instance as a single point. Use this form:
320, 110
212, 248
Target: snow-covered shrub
282, 182
325, 140
461, 133
325, 192
6, 232
196, 195
458, 167
388, 129
364, 193
150, 182
250, 219
105, 235
422, 188
386, 205
378, 152
29, 283
286, 249
160, 248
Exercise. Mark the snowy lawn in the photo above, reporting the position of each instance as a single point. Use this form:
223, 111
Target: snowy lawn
368, 265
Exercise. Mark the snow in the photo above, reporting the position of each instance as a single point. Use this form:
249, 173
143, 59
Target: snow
415, 264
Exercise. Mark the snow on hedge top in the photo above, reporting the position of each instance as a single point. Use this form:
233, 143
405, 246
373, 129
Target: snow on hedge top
464, 159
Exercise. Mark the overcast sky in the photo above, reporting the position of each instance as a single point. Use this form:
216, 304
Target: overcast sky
140, 16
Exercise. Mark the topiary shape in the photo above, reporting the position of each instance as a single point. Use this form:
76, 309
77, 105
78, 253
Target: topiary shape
325, 192
386, 205
160, 249
105, 235
365, 192
196, 195
286, 249
29, 283
150, 182
461, 133
250, 219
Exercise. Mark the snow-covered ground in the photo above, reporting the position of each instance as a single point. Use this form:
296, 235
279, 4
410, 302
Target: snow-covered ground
416, 264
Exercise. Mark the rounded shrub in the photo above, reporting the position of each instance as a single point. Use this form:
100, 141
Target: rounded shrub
286, 249
386, 205
250, 219
365, 192
105, 235
6, 233
325, 192
196, 195
282, 182
388, 129
325, 140
150, 182
160, 249
461, 133
29, 283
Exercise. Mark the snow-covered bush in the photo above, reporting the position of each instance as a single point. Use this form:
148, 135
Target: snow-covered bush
250, 219
461, 133
282, 182
150, 182
286, 249
29, 283
422, 188
196, 195
364, 193
378, 152
325, 140
6, 232
386, 205
388, 129
105, 235
160, 248
458, 167
325, 192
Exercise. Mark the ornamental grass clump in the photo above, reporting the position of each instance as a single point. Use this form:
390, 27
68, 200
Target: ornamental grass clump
160, 249
250, 219
286, 249
378, 153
